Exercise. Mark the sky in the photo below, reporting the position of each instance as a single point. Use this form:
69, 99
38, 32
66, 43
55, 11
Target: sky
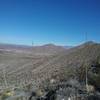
61, 22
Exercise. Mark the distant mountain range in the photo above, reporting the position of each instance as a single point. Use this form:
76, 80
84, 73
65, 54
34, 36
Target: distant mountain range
47, 49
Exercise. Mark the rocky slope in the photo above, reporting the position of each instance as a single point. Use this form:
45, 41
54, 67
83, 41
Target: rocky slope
67, 63
26, 68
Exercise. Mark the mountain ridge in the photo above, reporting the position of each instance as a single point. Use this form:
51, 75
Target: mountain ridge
44, 49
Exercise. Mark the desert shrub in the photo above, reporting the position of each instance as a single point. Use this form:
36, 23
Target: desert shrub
94, 75
74, 83
6, 94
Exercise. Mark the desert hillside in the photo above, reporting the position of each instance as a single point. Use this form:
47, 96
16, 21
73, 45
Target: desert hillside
68, 63
26, 67
26, 70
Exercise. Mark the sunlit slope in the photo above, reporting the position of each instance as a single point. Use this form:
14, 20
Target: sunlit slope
24, 68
